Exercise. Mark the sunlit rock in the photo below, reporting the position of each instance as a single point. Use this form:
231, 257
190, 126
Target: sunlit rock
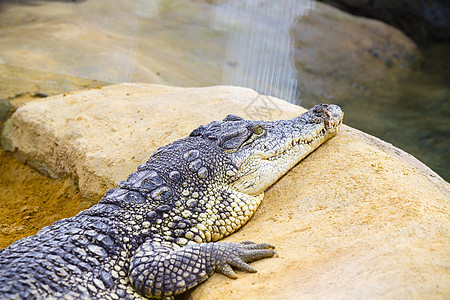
358, 218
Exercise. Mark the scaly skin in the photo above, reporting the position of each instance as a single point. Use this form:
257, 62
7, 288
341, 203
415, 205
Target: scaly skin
156, 234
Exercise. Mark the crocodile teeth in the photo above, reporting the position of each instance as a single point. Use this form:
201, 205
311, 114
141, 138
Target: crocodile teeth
289, 150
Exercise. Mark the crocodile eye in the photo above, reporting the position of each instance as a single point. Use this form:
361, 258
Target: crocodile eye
259, 130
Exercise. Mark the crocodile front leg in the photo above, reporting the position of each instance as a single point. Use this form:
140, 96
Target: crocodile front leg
160, 270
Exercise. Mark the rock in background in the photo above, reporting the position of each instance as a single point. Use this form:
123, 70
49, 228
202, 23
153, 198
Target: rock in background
21, 85
348, 59
387, 86
371, 69
356, 219
161, 42
422, 20
337, 54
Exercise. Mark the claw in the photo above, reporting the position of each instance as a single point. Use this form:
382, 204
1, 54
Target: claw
237, 255
226, 270
241, 265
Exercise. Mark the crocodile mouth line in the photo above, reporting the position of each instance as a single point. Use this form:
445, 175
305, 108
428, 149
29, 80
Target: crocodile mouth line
301, 141
295, 143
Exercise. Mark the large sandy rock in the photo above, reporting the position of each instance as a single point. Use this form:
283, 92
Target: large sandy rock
356, 219
99, 136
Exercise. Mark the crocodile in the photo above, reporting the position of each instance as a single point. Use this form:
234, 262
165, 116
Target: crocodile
155, 235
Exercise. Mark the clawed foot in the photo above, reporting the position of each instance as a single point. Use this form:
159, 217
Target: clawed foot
239, 254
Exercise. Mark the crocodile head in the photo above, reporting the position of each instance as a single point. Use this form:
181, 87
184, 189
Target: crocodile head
261, 152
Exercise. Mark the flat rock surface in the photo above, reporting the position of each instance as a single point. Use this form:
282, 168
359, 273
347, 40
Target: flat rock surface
356, 219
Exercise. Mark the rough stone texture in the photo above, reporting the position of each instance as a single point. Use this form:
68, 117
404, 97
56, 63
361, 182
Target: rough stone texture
356, 219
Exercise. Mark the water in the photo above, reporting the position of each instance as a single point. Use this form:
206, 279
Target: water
425, 110
48, 44
412, 113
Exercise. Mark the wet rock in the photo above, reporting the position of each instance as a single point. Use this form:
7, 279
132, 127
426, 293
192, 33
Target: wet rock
376, 74
340, 56
358, 218
420, 19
